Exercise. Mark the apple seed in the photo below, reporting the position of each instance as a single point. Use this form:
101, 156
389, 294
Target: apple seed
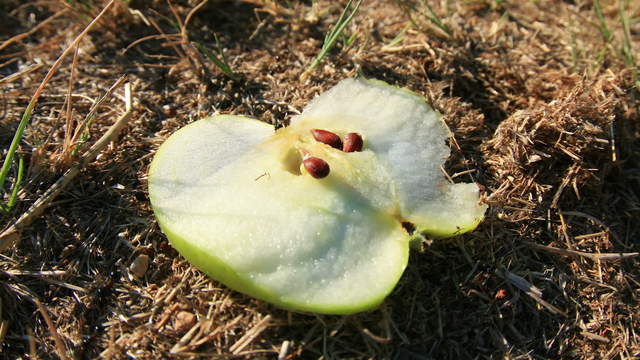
327, 137
316, 167
352, 143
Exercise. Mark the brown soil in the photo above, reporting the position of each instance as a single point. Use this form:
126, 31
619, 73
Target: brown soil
544, 109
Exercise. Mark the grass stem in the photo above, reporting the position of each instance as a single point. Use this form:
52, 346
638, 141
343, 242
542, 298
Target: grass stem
16, 184
17, 137
220, 62
603, 28
333, 35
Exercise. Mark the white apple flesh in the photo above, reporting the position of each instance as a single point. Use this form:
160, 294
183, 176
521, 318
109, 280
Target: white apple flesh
234, 198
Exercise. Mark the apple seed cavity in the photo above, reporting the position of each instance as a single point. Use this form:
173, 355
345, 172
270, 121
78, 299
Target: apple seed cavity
352, 143
327, 137
316, 167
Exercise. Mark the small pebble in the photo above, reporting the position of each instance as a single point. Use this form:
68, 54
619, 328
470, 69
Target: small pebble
184, 321
139, 266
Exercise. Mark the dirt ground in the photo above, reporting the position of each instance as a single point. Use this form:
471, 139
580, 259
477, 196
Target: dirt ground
542, 98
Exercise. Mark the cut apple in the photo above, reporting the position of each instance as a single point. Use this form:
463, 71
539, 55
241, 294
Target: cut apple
292, 218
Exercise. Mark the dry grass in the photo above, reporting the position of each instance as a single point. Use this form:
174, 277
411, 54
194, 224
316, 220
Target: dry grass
545, 112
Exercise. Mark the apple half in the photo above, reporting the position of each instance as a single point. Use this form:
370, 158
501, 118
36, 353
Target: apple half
235, 199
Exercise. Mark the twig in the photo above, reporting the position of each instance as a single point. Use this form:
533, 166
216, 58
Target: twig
595, 220
26, 116
159, 29
192, 48
592, 256
377, 338
214, 333
20, 73
94, 109
177, 348
183, 30
69, 116
565, 181
4, 325
33, 30
595, 337
284, 350
175, 14
187, 48
35, 273
250, 335
61, 350
401, 48
9, 236
9, 62
32, 344
146, 38
531, 290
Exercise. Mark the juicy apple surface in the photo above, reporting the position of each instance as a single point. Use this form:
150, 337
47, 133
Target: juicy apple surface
235, 200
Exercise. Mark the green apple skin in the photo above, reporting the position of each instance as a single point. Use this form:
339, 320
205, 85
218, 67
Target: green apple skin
233, 199
218, 270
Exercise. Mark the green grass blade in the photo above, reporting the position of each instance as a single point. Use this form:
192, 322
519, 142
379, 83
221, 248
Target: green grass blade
604, 29
435, 20
627, 49
17, 137
410, 9
399, 38
16, 185
335, 30
348, 41
334, 34
221, 63
575, 53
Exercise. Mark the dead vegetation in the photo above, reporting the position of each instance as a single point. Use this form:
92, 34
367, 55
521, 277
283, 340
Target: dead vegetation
542, 98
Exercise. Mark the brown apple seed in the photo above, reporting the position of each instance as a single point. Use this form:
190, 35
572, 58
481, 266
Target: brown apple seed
316, 167
352, 143
327, 137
